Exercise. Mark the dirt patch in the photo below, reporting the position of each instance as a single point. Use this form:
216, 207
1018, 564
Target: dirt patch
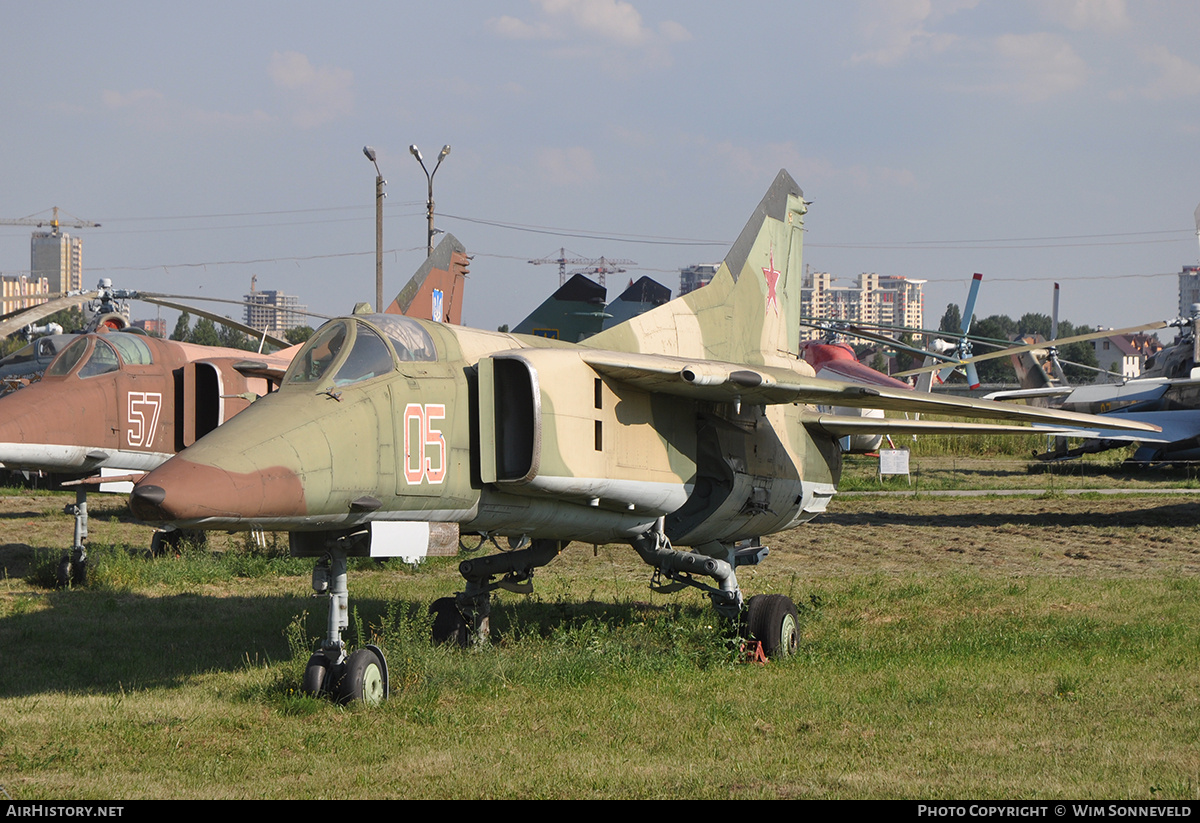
1113, 536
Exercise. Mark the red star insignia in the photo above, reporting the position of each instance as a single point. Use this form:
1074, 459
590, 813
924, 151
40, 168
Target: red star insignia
772, 278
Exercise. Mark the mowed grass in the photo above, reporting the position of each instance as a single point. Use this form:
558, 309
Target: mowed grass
1047, 649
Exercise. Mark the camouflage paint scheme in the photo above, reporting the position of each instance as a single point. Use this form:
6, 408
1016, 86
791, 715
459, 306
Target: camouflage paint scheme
435, 292
127, 401
695, 412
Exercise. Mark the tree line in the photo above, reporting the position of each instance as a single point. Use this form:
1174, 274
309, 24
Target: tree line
1001, 327
208, 333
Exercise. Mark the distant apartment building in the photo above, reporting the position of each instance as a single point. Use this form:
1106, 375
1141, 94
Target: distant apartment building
273, 311
22, 292
694, 277
58, 257
879, 299
1189, 289
155, 327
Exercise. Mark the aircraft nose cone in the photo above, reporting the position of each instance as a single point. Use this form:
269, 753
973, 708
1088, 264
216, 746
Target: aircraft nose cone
182, 491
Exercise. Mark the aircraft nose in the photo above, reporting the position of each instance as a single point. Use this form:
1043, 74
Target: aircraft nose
183, 491
54, 430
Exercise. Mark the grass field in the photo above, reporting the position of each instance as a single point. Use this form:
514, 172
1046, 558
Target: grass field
1015, 647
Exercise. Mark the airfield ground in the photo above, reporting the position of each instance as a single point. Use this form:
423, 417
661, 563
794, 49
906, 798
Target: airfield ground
973, 647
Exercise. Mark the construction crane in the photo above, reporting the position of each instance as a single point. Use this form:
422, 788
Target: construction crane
70, 277
599, 267
54, 223
604, 266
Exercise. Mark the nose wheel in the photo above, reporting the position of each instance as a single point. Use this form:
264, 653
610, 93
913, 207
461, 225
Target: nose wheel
314, 675
363, 678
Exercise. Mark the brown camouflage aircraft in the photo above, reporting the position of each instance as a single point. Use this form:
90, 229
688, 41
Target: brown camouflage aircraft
120, 402
694, 424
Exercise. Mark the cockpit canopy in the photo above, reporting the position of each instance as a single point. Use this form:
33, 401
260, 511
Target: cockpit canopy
101, 354
350, 350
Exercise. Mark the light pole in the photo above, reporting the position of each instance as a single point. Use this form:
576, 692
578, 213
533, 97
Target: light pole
379, 195
429, 176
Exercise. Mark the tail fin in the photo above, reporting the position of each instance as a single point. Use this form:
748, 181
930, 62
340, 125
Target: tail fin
573, 313
639, 298
435, 292
750, 311
1031, 373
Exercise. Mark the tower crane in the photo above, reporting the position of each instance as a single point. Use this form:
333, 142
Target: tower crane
605, 266
599, 267
562, 260
54, 223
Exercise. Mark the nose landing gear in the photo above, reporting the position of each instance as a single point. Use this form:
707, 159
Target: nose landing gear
362, 675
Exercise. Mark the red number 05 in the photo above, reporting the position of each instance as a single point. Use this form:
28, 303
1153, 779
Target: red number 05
426, 436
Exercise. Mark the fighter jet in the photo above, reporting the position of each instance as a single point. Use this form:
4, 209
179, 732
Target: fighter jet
691, 425
117, 404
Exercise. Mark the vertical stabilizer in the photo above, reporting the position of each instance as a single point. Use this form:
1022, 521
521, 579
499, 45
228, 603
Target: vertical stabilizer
435, 292
750, 311
574, 312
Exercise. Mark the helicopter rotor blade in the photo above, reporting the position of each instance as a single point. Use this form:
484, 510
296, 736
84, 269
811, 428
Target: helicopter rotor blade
23, 318
146, 295
1158, 324
249, 331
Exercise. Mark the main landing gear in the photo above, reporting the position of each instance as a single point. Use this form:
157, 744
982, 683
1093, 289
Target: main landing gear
170, 540
362, 675
465, 618
769, 620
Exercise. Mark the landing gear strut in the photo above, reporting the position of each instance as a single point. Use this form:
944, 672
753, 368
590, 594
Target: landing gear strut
770, 619
72, 568
681, 568
361, 675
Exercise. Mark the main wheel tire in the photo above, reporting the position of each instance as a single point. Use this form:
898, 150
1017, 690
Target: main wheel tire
315, 674
448, 623
171, 541
198, 538
166, 542
772, 619
362, 679
63, 574
79, 572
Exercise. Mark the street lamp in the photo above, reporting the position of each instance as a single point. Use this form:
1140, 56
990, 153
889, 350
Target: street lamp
429, 176
379, 195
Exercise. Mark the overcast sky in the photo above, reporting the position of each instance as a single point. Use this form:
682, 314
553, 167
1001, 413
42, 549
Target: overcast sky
1032, 142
